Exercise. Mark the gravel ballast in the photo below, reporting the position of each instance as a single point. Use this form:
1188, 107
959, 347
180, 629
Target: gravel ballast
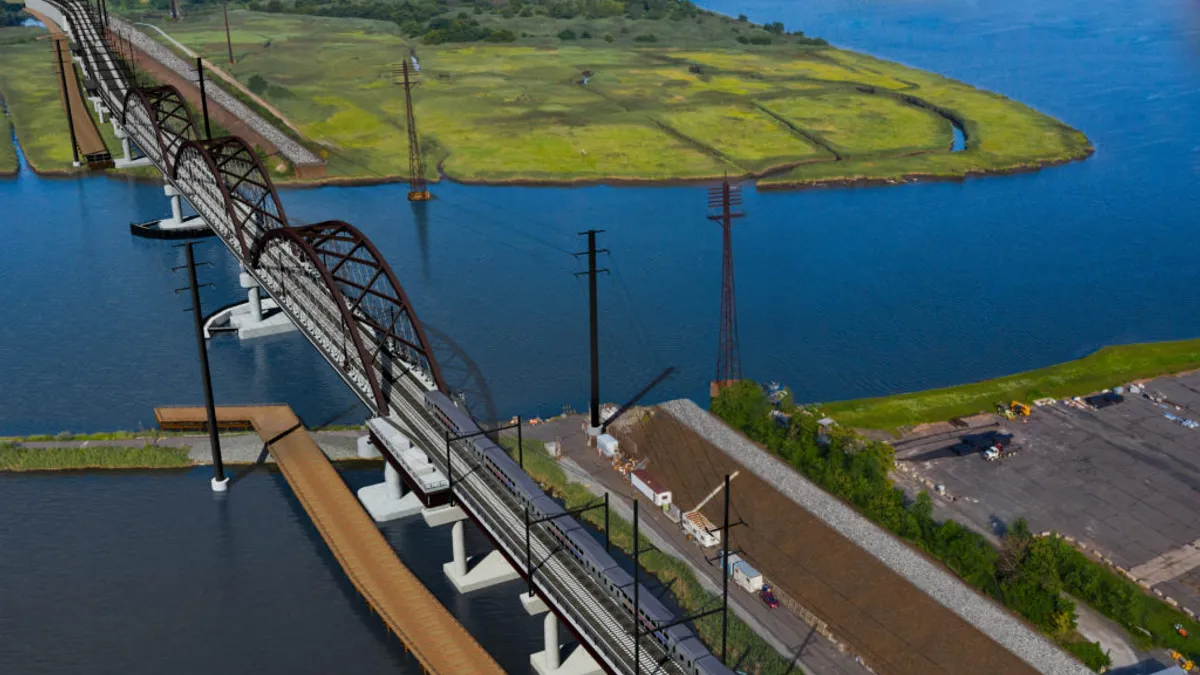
991, 619
295, 153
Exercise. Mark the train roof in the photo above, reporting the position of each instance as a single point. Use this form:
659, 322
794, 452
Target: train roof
457, 415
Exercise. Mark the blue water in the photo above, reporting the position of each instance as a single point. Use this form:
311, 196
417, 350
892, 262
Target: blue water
145, 573
841, 292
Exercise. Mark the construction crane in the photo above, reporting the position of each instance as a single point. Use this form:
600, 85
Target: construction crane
714, 493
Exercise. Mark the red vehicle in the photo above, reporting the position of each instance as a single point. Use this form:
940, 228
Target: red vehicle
768, 597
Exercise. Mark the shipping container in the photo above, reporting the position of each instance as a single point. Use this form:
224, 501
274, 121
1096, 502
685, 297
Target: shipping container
747, 577
653, 490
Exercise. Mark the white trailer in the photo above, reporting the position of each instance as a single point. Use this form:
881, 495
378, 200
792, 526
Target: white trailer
747, 577
701, 529
606, 444
645, 484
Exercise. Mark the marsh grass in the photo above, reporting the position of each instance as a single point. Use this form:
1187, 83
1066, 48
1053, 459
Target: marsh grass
14, 457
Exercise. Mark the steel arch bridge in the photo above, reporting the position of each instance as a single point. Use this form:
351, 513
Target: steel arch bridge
337, 288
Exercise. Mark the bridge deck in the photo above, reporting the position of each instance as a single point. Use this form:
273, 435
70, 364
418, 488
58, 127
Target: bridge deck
435, 637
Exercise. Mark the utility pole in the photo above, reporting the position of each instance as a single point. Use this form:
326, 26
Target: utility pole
725, 576
62, 72
637, 567
219, 482
724, 205
594, 429
203, 97
228, 39
174, 10
418, 191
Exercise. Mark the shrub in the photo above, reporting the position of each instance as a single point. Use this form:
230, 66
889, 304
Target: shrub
609, 38
257, 84
274, 6
585, 35
760, 40
645, 37
566, 34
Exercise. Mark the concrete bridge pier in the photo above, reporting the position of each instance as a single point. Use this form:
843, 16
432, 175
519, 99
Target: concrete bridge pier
126, 161
176, 219
490, 570
387, 501
257, 317
549, 661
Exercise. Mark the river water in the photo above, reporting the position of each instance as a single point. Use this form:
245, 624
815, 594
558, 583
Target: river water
150, 573
841, 292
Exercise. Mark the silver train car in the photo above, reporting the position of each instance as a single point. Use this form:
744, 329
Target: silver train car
678, 641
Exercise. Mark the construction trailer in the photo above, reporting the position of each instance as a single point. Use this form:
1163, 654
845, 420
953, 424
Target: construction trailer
606, 444
645, 484
743, 574
701, 529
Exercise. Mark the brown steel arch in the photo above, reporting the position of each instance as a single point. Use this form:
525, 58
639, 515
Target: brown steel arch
251, 202
169, 115
366, 288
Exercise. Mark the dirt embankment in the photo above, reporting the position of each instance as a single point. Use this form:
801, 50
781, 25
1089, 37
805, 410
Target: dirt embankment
896, 628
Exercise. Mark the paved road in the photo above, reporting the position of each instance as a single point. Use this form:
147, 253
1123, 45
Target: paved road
786, 632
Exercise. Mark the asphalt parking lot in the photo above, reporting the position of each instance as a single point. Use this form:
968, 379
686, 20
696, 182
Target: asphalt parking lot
1122, 479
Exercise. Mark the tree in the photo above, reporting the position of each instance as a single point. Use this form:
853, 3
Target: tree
257, 84
566, 34
275, 6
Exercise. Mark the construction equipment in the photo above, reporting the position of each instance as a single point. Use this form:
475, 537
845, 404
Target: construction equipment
714, 493
1181, 630
1005, 411
1019, 409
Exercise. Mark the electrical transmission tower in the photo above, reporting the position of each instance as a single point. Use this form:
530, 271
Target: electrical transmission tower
408, 76
724, 204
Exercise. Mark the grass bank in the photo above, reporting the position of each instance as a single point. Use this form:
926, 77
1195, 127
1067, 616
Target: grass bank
30, 86
692, 103
1105, 368
8, 151
14, 457
748, 652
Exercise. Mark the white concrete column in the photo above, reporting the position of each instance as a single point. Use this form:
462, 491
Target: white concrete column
176, 209
551, 632
256, 312
459, 545
395, 488
125, 148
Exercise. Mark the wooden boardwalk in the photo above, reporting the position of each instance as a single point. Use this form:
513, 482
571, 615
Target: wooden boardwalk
438, 641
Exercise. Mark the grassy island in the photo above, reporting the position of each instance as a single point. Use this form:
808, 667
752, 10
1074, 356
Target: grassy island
15, 457
1105, 368
576, 91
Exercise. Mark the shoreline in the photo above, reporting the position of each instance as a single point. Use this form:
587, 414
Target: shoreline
620, 182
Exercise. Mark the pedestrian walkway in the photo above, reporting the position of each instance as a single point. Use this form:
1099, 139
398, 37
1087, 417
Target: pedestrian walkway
435, 638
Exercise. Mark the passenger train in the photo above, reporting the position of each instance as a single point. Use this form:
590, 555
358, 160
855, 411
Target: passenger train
678, 641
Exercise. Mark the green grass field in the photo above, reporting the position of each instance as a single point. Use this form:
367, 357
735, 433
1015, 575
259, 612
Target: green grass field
29, 84
693, 104
1107, 367
14, 457
8, 151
